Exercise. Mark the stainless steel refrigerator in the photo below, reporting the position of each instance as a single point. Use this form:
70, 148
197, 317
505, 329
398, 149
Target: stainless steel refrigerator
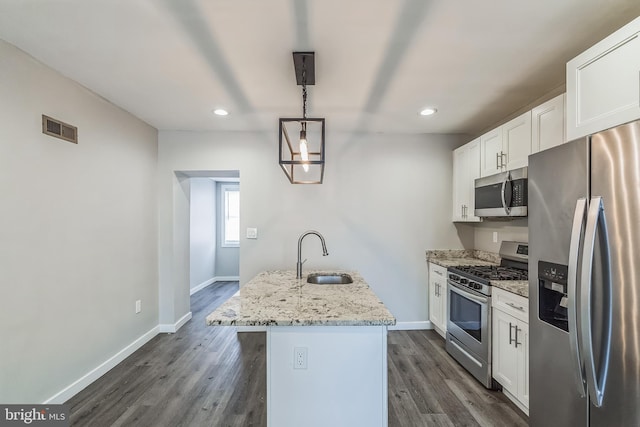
584, 281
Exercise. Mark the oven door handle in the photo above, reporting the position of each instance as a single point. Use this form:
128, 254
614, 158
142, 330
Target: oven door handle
464, 293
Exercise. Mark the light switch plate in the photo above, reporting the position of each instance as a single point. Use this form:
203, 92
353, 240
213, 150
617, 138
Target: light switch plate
252, 233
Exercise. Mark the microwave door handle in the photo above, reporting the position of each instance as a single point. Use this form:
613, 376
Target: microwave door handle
507, 209
572, 296
596, 221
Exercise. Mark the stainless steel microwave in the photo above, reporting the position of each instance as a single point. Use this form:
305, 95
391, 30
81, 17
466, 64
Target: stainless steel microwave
502, 195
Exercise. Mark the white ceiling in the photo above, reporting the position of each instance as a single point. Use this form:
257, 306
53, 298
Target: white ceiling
378, 62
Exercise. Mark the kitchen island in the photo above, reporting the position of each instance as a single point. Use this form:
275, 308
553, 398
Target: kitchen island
326, 348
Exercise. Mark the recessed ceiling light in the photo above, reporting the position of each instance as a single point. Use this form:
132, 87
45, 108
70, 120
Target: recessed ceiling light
220, 112
428, 111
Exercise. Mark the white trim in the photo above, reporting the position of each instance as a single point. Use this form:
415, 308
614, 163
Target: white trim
227, 278
213, 280
411, 326
202, 285
173, 328
399, 326
251, 329
82, 382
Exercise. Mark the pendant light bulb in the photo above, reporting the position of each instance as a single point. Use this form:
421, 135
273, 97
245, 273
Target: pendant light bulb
304, 150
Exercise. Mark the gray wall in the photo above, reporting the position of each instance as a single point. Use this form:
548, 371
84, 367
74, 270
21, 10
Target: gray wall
202, 251
78, 227
227, 258
385, 199
507, 230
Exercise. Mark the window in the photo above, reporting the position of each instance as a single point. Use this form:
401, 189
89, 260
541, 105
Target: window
231, 230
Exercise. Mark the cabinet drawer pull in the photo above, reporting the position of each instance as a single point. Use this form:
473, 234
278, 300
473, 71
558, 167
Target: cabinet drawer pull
517, 307
438, 272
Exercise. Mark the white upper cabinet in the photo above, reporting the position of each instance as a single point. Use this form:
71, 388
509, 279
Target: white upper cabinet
547, 124
506, 147
516, 141
491, 157
603, 83
466, 168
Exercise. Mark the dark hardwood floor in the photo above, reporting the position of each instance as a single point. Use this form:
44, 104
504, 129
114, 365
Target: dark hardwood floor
211, 376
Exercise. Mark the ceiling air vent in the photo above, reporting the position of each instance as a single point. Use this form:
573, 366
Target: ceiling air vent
59, 129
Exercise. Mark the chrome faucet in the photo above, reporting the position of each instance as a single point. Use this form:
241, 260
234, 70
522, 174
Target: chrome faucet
302, 236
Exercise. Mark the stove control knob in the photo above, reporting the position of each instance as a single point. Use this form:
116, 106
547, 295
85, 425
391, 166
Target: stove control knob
463, 281
477, 286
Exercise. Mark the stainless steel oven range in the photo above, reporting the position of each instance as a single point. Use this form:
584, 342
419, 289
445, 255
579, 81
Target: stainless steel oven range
469, 308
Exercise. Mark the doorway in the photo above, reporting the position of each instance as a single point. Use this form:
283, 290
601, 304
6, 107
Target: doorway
214, 229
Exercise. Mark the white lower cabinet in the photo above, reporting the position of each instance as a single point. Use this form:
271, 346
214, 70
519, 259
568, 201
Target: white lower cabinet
438, 298
510, 347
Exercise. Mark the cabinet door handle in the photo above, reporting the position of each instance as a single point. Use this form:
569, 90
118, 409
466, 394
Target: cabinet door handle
503, 163
512, 305
498, 157
462, 211
510, 339
516, 343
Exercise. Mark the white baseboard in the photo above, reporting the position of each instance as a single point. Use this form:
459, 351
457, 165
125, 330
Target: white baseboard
251, 329
206, 283
411, 326
173, 328
202, 285
78, 385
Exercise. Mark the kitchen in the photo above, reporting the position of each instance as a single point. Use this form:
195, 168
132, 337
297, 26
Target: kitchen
357, 163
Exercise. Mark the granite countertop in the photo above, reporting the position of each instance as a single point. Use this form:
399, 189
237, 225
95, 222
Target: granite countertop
456, 258
519, 287
277, 298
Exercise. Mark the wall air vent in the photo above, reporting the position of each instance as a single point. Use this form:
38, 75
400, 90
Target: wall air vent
59, 129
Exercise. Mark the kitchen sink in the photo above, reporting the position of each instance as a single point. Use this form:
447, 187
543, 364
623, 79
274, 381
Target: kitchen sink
329, 278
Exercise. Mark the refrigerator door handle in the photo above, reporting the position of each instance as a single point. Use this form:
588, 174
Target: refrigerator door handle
572, 295
596, 381
507, 209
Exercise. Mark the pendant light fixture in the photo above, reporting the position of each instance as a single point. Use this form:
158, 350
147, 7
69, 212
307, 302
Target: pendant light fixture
302, 159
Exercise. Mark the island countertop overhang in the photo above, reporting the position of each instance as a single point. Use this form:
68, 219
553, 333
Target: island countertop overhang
277, 298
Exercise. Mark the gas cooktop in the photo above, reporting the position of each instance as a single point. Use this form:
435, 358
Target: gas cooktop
490, 272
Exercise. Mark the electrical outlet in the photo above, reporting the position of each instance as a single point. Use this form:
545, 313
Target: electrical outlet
495, 237
252, 233
138, 306
300, 358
